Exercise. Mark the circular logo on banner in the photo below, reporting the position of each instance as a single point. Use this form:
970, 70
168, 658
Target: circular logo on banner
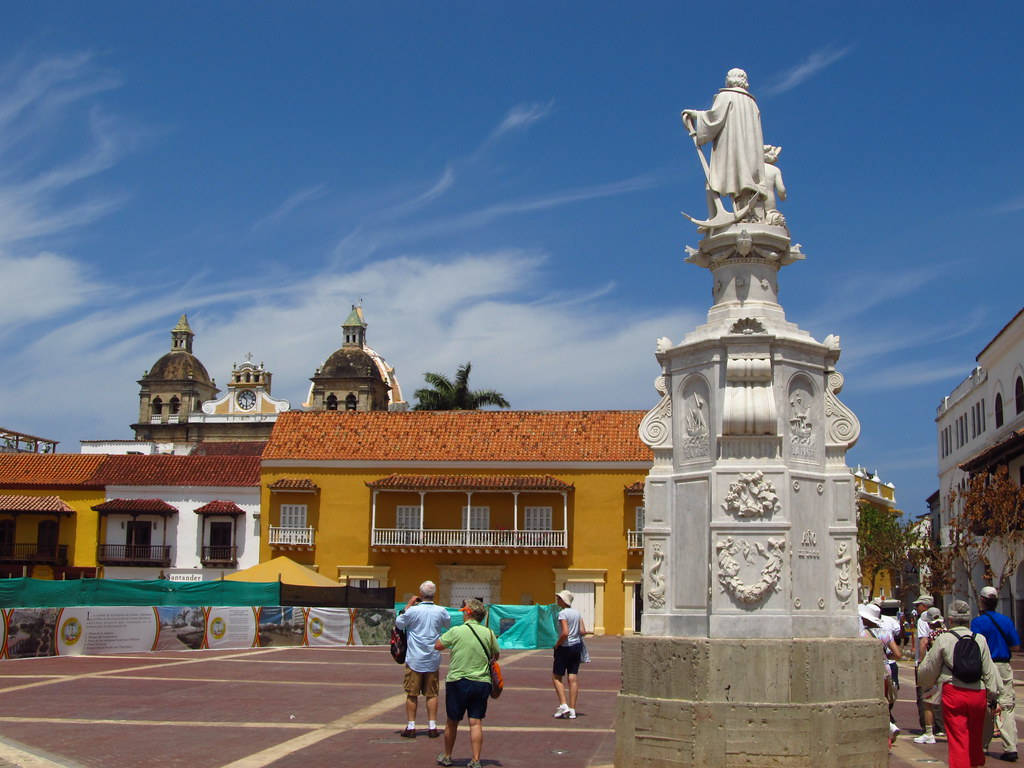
71, 631
218, 627
316, 626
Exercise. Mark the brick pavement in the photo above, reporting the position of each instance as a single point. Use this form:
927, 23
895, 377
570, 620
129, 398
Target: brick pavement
308, 707
282, 707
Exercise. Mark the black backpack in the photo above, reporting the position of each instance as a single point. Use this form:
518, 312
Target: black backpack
966, 658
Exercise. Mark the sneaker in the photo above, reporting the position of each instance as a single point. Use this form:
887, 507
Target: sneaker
893, 729
562, 711
443, 759
571, 714
409, 733
473, 764
1010, 757
925, 738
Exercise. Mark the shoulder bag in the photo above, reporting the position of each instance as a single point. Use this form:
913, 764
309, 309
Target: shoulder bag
497, 681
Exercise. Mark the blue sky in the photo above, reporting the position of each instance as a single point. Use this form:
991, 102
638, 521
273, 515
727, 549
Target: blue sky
500, 183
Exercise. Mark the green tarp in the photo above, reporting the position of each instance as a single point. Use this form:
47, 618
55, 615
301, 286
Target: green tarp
520, 627
40, 593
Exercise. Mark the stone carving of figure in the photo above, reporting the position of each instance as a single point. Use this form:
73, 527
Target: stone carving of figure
733, 127
656, 593
773, 186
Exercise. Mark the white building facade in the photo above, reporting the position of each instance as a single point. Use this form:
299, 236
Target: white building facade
980, 426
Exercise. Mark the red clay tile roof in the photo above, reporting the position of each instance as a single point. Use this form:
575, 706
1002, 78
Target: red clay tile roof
53, 470
241, 471
635, 489
294, 484
49, 504
470, 483
220, 508
502, 436
141, 506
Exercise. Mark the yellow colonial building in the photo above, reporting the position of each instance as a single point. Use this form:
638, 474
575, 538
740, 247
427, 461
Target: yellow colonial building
506, 506
871, 490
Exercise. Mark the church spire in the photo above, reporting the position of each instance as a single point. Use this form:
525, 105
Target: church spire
181, 335
354, 327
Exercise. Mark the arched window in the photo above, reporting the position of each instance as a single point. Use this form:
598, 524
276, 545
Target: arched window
351, 402
158, 406
999, 409
332, 403
1018, 394
175, 404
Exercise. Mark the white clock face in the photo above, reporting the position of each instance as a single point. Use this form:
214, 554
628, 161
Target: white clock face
246, 399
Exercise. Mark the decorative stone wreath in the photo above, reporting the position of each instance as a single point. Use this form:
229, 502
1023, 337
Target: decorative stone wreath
730, 548
752, 496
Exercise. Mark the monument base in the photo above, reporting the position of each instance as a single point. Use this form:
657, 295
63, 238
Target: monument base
723, 703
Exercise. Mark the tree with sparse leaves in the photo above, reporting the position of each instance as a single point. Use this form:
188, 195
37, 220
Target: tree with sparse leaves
447, 395
884, 542
986, 529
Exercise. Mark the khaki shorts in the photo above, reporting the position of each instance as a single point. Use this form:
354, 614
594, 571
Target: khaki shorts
417, 683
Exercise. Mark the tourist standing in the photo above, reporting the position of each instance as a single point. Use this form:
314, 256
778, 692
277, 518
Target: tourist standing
871, 621
423, 622
932, 697
963, 701
468, 685
920, 639
1002, 640
568, 650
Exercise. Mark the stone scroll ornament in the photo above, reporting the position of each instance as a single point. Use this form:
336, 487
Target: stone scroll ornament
655, 578
730, 548
656, 427
843, 426
752, 496
844, 584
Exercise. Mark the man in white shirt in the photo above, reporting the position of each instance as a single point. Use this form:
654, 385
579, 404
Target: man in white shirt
923, 602
423, 623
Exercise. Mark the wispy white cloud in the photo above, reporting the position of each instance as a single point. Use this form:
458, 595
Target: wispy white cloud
293, 201
520, 117
40, 286
1012, 205
812, 65
856, 294
912, 374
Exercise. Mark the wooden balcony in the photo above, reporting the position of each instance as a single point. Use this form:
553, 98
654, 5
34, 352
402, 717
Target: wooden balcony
291, 538
133, 554
220, 556
33, 554
634, 539
461, 539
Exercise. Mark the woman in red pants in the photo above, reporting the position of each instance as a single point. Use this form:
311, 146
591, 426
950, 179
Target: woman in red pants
963, 701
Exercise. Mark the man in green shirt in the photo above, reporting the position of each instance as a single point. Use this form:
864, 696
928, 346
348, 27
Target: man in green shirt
468, 685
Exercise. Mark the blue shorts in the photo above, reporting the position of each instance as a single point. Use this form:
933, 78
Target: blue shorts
567, 660
463, 697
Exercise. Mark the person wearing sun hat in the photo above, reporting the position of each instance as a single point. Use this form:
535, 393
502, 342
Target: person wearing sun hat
963, 701
568, 650
871, 621
932, 697
1002, 640
923, 602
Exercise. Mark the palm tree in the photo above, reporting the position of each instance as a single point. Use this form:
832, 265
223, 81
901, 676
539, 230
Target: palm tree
446, 395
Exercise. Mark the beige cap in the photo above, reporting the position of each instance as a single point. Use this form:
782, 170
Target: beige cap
566, 596
925, 599
989, 592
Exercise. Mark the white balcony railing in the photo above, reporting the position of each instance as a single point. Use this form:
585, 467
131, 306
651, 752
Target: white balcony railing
291, 536
459, 537
635, 539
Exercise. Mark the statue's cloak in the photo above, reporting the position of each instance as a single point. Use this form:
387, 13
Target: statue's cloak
737, 156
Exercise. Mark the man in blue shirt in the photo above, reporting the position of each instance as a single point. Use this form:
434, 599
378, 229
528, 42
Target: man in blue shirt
423, 623
1002, 638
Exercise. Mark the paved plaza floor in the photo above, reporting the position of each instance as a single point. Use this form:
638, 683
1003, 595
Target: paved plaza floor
291, 707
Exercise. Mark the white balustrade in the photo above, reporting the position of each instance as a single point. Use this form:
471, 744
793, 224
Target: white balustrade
461, 537
297, 536
635, 539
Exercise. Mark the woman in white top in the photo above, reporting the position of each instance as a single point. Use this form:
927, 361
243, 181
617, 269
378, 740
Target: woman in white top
568, 649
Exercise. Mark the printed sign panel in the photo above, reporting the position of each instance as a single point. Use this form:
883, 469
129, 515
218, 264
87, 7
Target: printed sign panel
282, 626
231, 627
31, 632
329, 626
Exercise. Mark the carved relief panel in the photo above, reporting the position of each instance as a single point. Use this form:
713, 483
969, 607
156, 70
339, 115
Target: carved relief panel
695, 419
803, 424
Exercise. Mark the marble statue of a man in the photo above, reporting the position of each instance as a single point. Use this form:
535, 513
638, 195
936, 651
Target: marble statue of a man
733, 125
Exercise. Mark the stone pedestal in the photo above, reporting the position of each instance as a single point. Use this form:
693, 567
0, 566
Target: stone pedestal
726, 703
